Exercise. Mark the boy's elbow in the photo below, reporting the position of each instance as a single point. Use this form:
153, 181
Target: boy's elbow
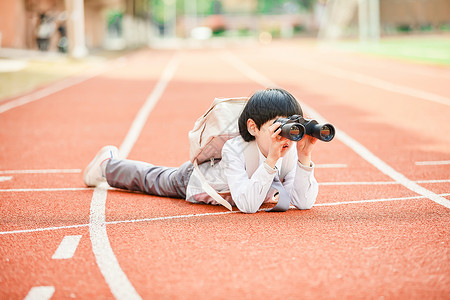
305, 206
305, 201
246, 206
249, 210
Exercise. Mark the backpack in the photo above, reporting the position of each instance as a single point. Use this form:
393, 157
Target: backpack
216, 126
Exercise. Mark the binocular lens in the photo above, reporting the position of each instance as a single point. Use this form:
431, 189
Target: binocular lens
296, 133
326, 133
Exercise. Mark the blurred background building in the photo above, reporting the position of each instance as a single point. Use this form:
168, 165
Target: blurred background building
78, 26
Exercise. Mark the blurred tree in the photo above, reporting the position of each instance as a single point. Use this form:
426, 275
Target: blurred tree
280, 6
217, 7
203, 7
114, 21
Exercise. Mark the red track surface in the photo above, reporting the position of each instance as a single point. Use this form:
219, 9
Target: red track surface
391, 248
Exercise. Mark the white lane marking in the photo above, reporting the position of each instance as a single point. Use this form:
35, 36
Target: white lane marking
388, 170
46, 190
103, 224
204, 215
372, 81
320, 183
46, 171
371, 201
61, 85
358, 183
144, 112
43, 229
380, 182
67, 247
433, 163
330, 166
175, 217
248, 71
107, 262
40, 293
433, 181
384, 85
342, 136
5, 178
348, 60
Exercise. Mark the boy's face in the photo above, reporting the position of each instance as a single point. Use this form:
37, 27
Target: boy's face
263, 136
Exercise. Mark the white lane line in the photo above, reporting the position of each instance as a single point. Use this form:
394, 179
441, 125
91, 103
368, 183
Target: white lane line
433, 163
204, 215
434, 181
388, 170
342, 136
107, 262
46, 190
40, 293
5, 178
375, 200
381, 84
47, 171
67, 247
144, 112
441, 74
371, 201
320, 183
380, 182
330, 166
43, 229
175, 217
371, 81
358, 183
61, 85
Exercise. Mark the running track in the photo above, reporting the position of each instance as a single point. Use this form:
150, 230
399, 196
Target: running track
379, 230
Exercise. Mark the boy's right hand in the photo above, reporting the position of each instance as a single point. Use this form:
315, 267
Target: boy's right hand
279, 145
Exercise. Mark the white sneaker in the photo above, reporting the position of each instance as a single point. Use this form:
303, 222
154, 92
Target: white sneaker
93, 174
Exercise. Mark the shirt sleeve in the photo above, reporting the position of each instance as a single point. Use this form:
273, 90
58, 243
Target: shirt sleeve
248, 193
302, 186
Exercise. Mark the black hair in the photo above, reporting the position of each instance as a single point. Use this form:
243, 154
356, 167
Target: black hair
265, 105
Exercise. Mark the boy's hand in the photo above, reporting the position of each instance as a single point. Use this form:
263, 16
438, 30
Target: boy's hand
304, 149
279, 146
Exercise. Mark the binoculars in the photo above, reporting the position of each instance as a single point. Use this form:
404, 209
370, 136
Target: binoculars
295, 127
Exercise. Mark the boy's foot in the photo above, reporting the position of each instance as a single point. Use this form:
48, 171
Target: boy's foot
93, 175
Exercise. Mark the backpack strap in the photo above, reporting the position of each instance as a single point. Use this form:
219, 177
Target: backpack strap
210, 190
251, 154
288, 160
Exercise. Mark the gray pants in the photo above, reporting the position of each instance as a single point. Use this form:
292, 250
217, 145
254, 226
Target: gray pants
143, 177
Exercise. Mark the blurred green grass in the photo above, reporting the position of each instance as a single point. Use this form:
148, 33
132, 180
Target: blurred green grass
432, 50
37, 73
40, 69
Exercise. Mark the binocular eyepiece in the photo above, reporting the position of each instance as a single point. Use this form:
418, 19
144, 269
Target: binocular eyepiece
295, 127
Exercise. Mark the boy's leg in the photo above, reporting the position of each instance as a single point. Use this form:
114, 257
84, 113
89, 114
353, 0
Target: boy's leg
147, 178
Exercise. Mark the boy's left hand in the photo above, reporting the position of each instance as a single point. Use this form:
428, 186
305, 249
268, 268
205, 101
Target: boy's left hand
304, 149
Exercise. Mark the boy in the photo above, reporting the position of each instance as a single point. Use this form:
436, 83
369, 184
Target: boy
256, 125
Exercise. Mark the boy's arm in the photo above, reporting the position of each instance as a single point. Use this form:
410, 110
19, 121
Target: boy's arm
302, 185
248, 193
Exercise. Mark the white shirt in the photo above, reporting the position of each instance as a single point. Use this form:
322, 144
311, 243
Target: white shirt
248, 194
